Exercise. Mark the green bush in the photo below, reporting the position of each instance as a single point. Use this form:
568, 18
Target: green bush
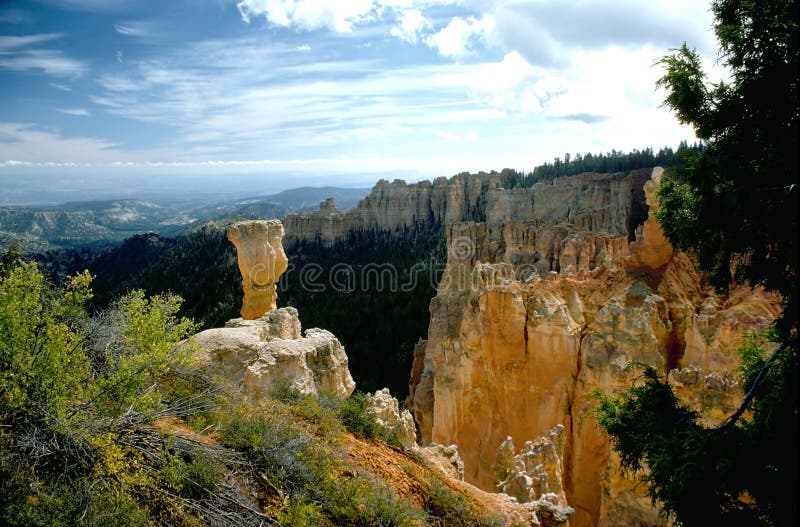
76, 396
305, 469
447, 508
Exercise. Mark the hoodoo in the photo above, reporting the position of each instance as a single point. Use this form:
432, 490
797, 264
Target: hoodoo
261, 261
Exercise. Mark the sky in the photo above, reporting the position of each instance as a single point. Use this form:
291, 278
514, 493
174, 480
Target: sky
330, 92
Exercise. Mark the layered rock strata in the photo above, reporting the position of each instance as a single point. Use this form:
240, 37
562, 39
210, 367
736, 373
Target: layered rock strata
556, 297
261, 260
256, 354
397, 205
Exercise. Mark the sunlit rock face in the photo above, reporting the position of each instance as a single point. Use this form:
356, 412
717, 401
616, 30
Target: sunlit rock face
553, 300
386, 410
261, 261
256, 354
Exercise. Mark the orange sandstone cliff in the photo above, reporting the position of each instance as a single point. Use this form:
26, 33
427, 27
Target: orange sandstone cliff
552, 296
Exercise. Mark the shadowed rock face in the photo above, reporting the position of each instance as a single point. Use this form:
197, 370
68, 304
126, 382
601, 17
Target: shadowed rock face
261, 261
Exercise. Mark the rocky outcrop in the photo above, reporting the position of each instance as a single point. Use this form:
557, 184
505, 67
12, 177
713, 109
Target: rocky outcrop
261, 262
536, 470
534, 475
569, 284
256, 354
386, 410
445, 458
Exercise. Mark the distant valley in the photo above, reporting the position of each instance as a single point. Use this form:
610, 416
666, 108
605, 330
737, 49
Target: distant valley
100, 222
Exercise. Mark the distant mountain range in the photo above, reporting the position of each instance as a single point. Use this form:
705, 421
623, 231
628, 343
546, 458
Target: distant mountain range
82, 223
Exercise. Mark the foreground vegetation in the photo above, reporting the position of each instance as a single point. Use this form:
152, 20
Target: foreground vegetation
104, 421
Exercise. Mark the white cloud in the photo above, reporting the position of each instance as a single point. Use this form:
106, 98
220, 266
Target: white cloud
61, 87
78, 112
512, 85
309, 15
49, 61
130, 29
251, 96
9, 42
411, 23
254, 103
459, 37
16, 55
28, 143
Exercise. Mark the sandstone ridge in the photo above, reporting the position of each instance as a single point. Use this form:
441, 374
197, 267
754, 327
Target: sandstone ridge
552, 297
613, 203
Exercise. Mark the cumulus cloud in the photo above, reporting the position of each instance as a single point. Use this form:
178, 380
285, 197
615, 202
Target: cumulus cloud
535, 78
545, 32
460, 36
411, 23
549, 32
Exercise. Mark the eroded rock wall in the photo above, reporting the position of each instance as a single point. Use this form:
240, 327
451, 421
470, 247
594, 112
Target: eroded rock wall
535, 312
397, 205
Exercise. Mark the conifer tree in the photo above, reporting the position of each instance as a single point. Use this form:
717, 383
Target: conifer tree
734, 205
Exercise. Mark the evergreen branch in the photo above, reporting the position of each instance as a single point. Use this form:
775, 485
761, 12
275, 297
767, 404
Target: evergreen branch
752, 392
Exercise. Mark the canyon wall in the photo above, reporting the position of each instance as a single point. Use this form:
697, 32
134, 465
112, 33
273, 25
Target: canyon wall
551, 292
397, 205
554, 295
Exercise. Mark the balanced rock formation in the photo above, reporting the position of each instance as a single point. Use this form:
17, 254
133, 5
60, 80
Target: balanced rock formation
261, 262
255, 354
569, 283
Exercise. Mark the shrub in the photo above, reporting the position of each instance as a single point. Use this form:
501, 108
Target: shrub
302, 469
357, 418
447, 508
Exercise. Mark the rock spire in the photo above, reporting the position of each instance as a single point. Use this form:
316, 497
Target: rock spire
261, 261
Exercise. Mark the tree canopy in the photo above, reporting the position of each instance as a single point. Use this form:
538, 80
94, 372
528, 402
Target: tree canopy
735, 203
734, 206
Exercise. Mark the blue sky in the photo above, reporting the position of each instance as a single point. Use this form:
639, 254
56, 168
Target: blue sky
336, 92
